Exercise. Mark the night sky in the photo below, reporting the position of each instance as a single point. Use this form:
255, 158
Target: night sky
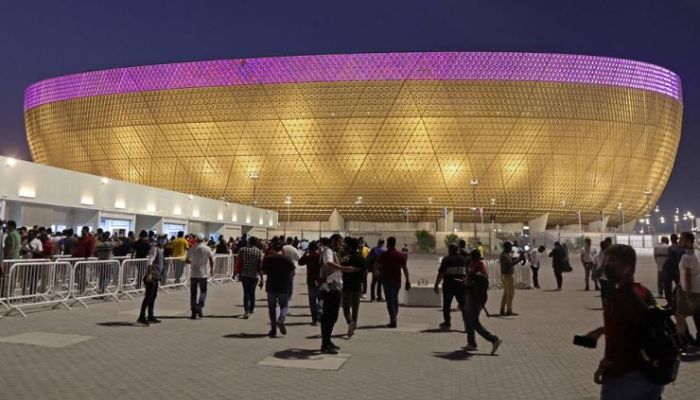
43, 39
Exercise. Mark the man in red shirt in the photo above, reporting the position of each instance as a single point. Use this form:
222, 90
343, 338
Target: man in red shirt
619, 371
84, 248
389, 265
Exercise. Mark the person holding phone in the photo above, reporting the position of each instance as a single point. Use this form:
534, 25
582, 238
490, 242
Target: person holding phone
150, 281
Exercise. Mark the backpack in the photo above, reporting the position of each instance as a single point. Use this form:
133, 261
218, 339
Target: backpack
659, 344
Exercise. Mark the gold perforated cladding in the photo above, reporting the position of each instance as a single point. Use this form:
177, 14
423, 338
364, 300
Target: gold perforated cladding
534, 147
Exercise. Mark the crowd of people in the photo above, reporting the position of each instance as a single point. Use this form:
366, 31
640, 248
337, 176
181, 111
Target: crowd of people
340, 271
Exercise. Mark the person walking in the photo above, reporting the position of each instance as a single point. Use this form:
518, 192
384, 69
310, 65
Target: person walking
588, 254
199, 257
599, 272
476, 281
508, 263
452, 270
671, 270
291, 251
389, 265
535, 257
618, 372
251, 269
311, 259
352, 283
278, 268
155, 259
660, 255
559, 256
376, 285
331, 289
688, 293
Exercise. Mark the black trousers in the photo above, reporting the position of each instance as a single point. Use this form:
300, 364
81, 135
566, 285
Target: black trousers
473, 325
451, 290
364, 282
149, 298
331, 308
535, 276
376, 284
559, 277
604, 290
668, 289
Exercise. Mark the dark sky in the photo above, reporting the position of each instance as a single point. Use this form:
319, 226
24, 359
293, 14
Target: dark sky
41, 39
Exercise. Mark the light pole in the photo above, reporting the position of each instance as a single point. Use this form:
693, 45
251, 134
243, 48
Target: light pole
254, 175
288, 202
492, 219
474, 183
358, 203
647, 194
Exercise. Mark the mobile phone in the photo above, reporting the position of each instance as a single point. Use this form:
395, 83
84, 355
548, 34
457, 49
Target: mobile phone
585, 341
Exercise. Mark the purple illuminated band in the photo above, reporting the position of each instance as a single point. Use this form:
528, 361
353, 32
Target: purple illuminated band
360, 67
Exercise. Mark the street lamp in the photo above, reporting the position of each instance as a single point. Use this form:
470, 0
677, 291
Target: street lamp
622, 217
358, 203
647, 194
288, 202
474, 183
254, 175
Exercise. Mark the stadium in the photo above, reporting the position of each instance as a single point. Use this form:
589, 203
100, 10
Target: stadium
377, 137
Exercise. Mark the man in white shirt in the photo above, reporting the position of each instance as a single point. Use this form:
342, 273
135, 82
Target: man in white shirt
588, 260
199, 257
534, 257
660, 256
290, 251
688, 297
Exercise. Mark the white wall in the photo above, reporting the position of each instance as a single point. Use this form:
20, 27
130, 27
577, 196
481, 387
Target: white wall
41, 195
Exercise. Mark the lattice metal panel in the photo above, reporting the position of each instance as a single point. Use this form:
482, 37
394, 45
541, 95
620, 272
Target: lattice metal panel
541, 133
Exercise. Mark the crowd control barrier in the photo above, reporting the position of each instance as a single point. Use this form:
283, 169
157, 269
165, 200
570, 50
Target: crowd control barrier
223, 268
131, 276
95, 279
175, 273
36, 283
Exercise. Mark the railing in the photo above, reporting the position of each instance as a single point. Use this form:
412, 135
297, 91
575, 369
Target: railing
32, 283
175, 273
97, 279
131, 276
223, 268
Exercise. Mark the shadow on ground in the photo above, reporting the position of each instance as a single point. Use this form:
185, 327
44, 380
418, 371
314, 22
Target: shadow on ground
244, 335
295, 354
114, 324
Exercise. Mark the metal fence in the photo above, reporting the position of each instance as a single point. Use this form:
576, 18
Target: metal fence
176, 274
32, 283
131, 276
223, 268
97, 279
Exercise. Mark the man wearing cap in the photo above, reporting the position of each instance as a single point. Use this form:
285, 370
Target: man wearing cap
199, 256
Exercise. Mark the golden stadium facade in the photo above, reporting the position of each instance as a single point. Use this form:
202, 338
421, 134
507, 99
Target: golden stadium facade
541, 133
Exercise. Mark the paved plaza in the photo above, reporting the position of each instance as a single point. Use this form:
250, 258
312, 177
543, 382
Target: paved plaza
99, 352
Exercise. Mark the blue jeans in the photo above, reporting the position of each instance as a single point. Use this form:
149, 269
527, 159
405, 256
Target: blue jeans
195, 305
313, 302
249, 285
391, 294
272, 300
632, 385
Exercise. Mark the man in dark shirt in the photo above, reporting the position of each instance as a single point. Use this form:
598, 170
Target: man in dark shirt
312, 260
670, 271
278, 268
451, 273
389, 265
623, 316
140, 249
352, 283
559, 256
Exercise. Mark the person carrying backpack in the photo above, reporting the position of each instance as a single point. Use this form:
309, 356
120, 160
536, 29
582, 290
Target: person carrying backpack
477, 284
641, 348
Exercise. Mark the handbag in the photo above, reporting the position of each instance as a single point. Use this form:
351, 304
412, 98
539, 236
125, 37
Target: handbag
566, 265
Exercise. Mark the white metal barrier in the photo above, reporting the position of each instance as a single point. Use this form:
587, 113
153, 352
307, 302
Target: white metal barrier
175, 273
223, 268
131, 276
494, 268
37, 283
95, 279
